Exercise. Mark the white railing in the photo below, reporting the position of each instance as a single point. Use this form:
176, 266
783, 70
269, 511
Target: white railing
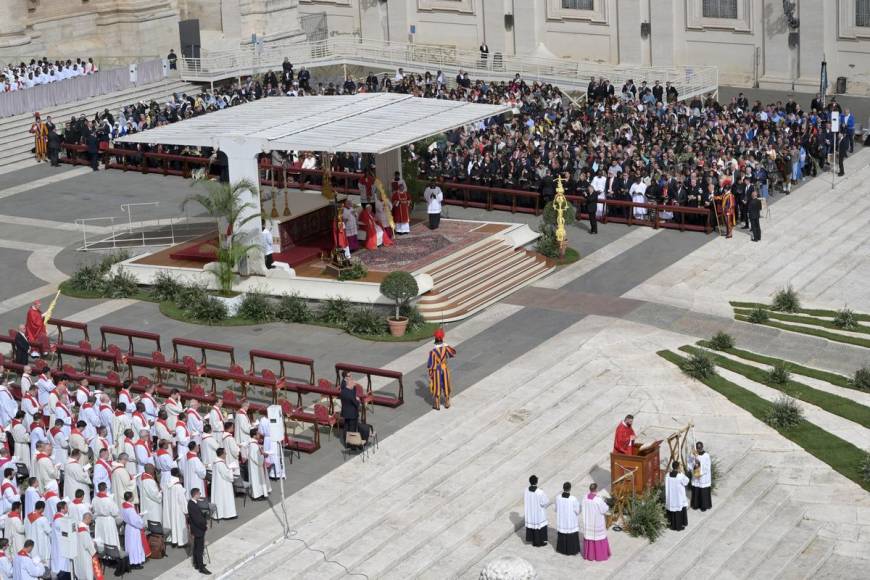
690, 81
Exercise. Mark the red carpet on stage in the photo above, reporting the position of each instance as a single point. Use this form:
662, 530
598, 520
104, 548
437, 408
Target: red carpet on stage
204, 251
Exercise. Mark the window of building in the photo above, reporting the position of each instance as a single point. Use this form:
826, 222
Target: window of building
720, 9
862, 13
578, 4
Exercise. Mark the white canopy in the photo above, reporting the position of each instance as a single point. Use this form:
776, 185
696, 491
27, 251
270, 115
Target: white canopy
365, 123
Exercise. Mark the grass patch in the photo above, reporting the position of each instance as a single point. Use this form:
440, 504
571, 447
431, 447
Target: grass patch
832, 336
809, 311
841, 455
835, 404
571, 256
804, 320
793, 367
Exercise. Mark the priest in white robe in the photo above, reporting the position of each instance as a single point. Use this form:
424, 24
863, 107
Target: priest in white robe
13, 529
134, 533
107, 517
702, 478
143, 451
128, 446
45, 469
194, 471
174, 409
175, 511
37, 528
58, 562
165, 464
216, 417
151, 497
8, 405
80, 506
260, 485
567, 523
5, 560
208, 447
83, 565
27, 565
535, 507
222, 494
595, 545
121, 480
676, 501
194, 421
31, 496
75, 476
233, 457
242, 430
103, 472
21, 437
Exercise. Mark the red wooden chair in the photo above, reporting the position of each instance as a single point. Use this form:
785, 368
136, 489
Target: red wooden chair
324, 418
197, 389
364, 398
85, 345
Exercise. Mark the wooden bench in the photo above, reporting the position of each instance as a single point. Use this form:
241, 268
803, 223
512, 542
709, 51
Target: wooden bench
203, 347
323, 388
158, 362
60, 324
282, 360
384, 400
129, 334
83, 350
236, 375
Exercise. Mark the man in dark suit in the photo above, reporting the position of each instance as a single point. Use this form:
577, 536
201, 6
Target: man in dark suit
754, 212
842, 150
21, 346
93, 143
198, 525
591, 207
349, 403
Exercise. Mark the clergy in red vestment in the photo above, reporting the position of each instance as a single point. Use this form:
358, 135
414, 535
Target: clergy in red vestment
401, 205
339, 237
373, 229
623, 442
34, 327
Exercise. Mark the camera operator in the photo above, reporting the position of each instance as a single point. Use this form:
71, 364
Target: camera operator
198, 524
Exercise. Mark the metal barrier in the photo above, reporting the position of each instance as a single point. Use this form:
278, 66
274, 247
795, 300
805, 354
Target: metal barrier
690, 81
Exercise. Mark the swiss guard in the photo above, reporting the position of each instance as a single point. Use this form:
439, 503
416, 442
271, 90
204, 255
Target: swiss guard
439, 373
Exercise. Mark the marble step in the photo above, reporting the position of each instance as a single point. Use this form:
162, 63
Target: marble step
808, 561
473, 274
458, 268
780, 555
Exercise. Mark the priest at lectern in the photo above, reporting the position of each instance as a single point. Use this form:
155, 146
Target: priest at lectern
623, 441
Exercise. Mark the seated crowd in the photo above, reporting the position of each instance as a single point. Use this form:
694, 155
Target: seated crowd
23, 75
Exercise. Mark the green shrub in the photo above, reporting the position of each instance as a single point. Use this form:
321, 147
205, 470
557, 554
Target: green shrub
548, 217
865, 467
121, 284
256, 306
110, 260
845, 319
646, 516
166, 287
699, 366
758, 315
784, 413
779, 374
190, 294
722, 341
861, 380
715, 473
293, 308
356, 271
414, 316
207, 309
786, 300
365, 321
334, 311
547, 245
88, 278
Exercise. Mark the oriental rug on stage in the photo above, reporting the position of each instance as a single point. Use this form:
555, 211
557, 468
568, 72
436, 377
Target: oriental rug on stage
424, 246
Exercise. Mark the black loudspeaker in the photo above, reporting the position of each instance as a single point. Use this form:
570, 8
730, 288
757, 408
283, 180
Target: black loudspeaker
508, 21
644, 29
794, 39
188, 35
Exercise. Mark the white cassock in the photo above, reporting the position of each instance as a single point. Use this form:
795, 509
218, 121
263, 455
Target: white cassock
75, 478
594, 524
675, 492
51, 501
58, 562
232, 452
37, 436
31, 496
222, 494
140, 423
22, 444
242, 432
151, 499
83, 395
59, 446
706, 478
134, 534
174, 410
8, 406
120, 423
30, 406
61, 411
77, 441
13, 530
151, 406
39, 530
89, 415
567, 512
126, 445
143, 456
165, 463
83, 566
9, 494
637, 193
78, 509
194, 425
216, 420
535, 508
125, 397
260, 485
24, 567
175, 513
106, 516
102, 473
209, 448
194, 474
122, 483
182, 438
107, 419
6, 566
162, 432
46, 472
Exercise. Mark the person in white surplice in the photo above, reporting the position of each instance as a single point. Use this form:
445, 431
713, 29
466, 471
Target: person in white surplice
675, 498
260, 485
5, 560
567, 526
242, 430
536, 502
194, 470
151, 497
175, 510
595, 544
222, 495
38, 529
107, 517
134, 532
83, 565
209, 446
121, 480
702, 478
58, 562
27, 565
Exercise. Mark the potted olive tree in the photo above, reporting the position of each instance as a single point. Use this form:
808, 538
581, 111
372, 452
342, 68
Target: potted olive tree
401, 288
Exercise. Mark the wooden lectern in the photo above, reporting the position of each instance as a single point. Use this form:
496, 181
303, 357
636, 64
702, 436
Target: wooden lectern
645, 461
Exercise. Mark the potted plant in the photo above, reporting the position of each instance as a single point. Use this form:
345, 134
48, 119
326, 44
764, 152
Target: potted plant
401, 288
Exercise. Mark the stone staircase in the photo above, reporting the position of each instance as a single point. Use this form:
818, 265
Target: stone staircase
16, 142
479, 276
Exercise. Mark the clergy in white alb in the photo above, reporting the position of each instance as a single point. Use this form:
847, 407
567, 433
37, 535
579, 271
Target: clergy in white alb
6, 571
8, 405
27, 565
107, 517
75, 476
134, 532
702, 478
174, 409
595, 545
194, 471
233, 452
37, 528
9, 493
165, 464
260, 485
676, 501
46, 471
13, 529
21, 438
535, 503
567, 523
216, 417
103, 472
175, 511
208, 447
151, 497
121, 480
242, 430
59, 445
194, 421
126, 445
143, 451
272, 450
31, 496
79, 506
58, 525
83, 565
222, 494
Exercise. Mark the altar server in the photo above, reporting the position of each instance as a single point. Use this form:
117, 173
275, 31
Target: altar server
675, 498
134, 533
175, 510
702, 479
567, 526
222, 494
27, 565
151, 497
595, 545
107, 516
536, 502
194, 470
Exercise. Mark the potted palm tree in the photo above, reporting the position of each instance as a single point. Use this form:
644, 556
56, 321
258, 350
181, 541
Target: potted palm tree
223, 201
401, 288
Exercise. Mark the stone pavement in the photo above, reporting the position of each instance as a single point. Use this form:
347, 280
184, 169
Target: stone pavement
541, 380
